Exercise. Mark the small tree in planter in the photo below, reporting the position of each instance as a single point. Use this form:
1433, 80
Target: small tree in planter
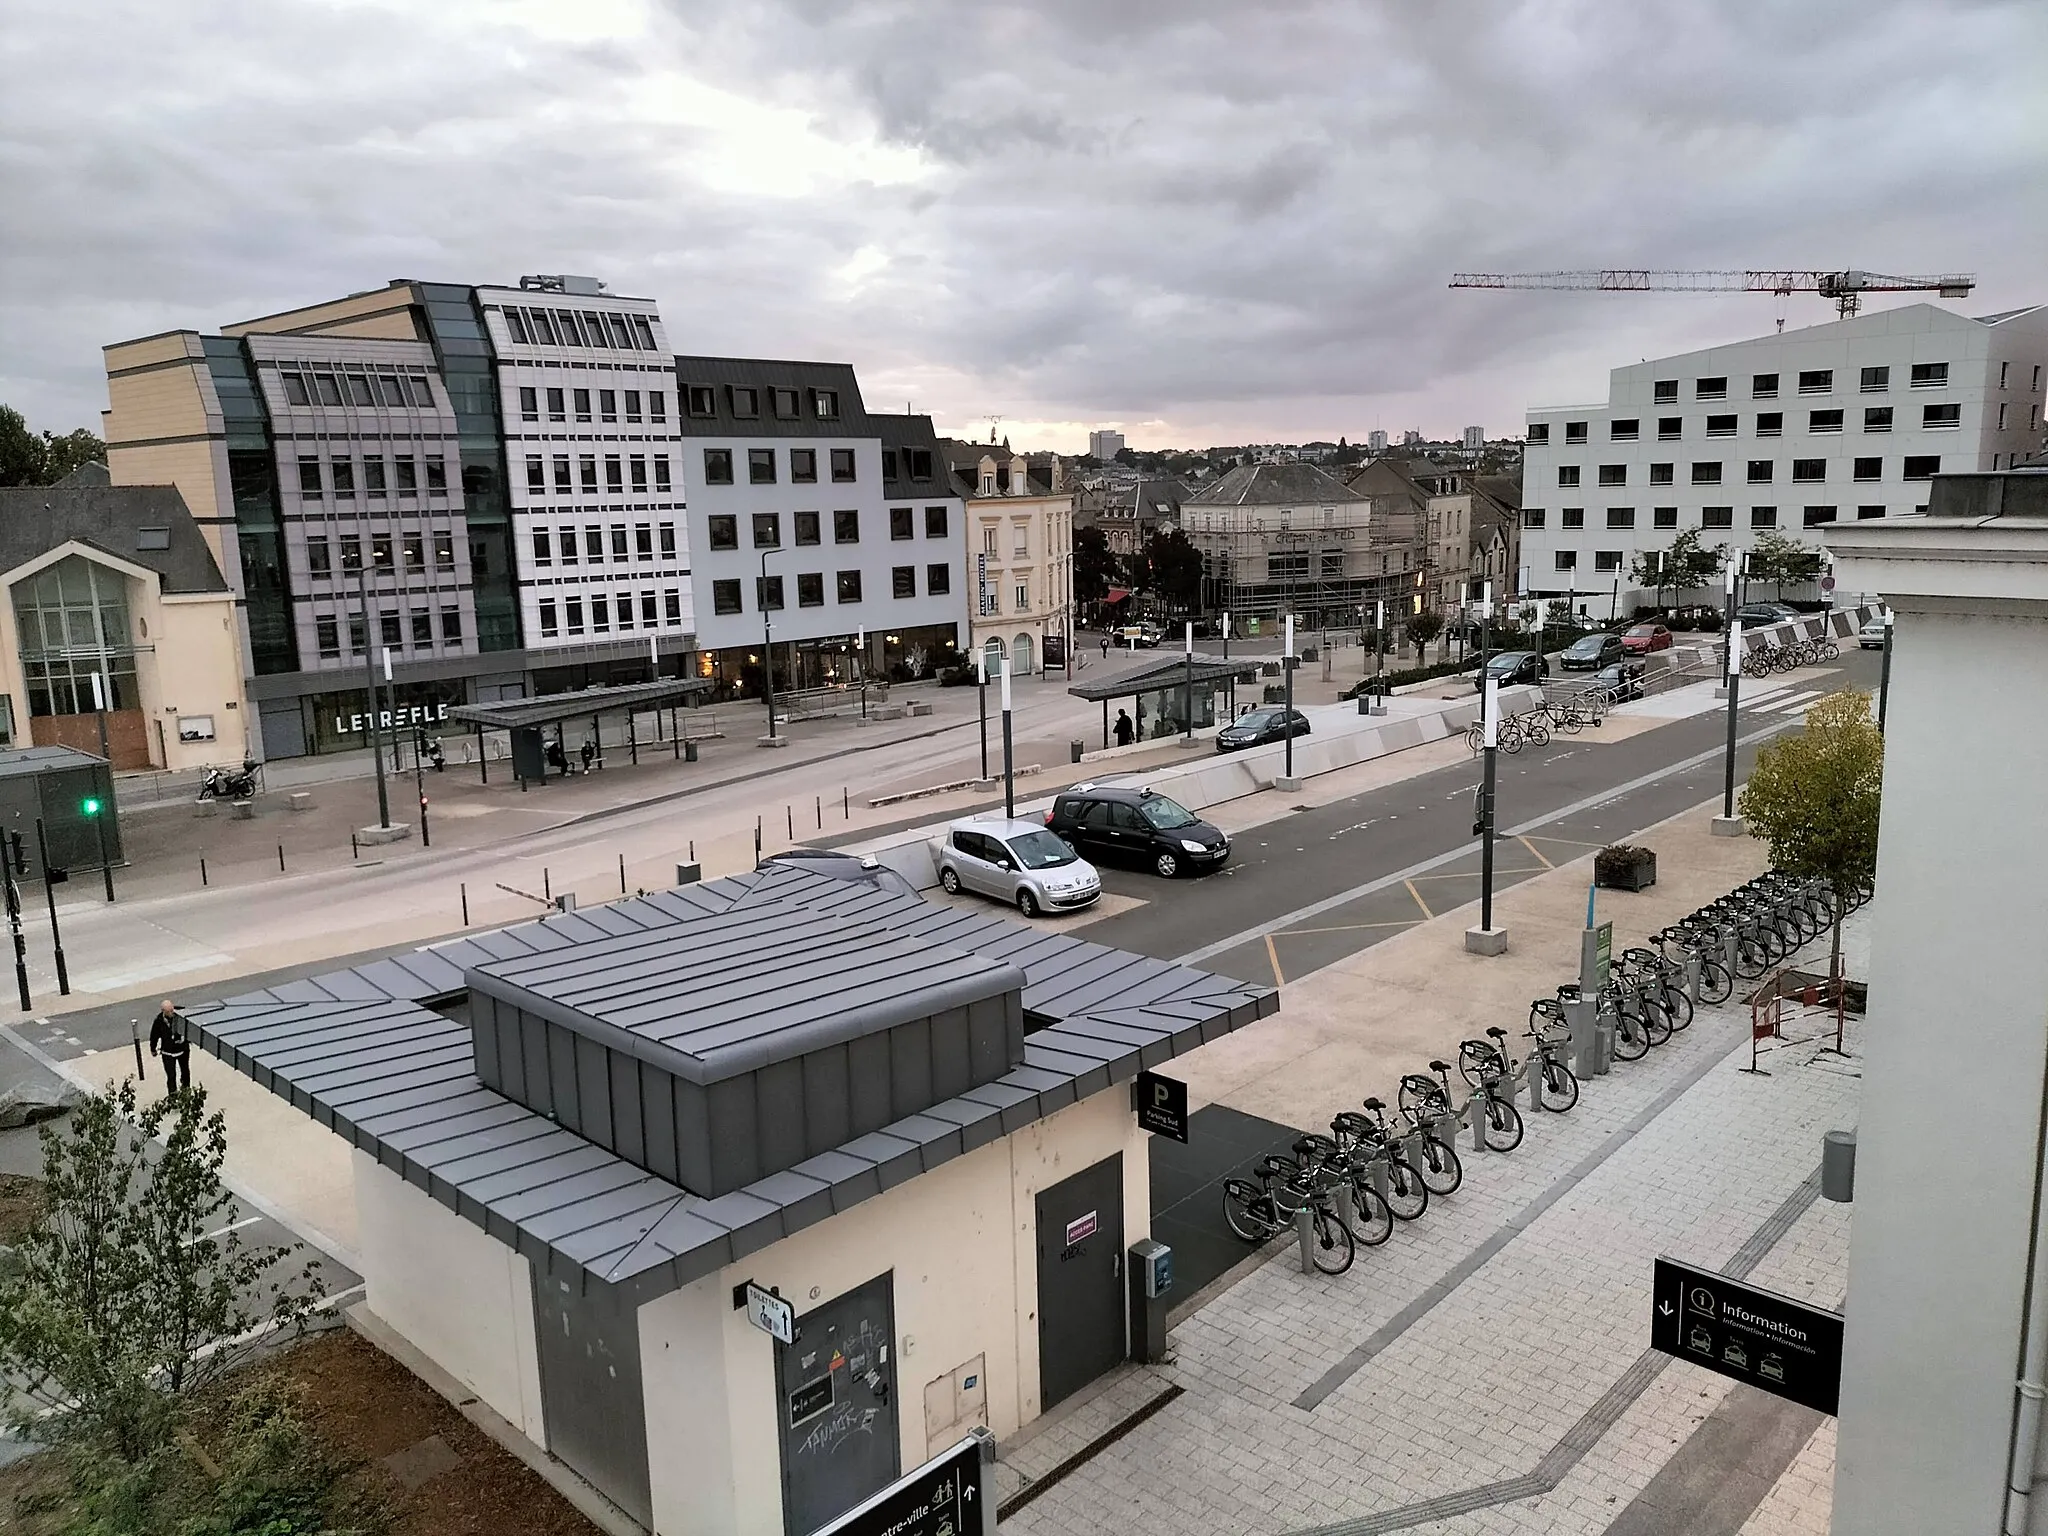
1422, 629
1625, 867
1815, 797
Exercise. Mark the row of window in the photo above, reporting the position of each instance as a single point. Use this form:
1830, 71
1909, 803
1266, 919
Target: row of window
402, 474
803, 466
810, 588
621, 473
723, 529
650, 541
916, 463
1710, 517
388, 551
601, 615
1915, 466
1877, 418
607, 329
396, 390
392, 631
609, 404
743, 403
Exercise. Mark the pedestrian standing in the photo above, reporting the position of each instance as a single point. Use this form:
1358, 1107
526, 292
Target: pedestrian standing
170, 1037
1124, 729
1105, 645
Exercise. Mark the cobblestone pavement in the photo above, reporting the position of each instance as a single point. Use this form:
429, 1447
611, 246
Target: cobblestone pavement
1486, 1370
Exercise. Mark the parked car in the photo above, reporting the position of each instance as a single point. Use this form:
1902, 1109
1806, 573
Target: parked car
1871, 636
840, 866
1019, 863
1256, 727
1620, 682
1756, 615
1506, 667
1146, 636
1123, 824
1641, 639
1589, 653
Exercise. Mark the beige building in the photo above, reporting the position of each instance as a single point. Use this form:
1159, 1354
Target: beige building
1288, 538
1020, 554
116, 582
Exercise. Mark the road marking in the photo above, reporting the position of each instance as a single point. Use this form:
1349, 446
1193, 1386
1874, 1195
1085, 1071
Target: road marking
1418, 898
1798, 701
1474, 874
1537, 851
1273, 956
1384, 882
1405, 922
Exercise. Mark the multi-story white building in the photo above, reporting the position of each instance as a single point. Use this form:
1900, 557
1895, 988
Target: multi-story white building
1376, 442
1789, 432
1475, 439
1105, 444
803, 516
594, 453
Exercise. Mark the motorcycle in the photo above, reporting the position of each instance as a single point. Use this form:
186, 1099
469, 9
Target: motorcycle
229, 784
428, 750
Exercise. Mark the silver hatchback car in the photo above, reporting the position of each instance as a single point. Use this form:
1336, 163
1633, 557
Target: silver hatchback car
1019, 863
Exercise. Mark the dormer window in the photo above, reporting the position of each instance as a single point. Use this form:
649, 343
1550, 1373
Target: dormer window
825, 403
745, 402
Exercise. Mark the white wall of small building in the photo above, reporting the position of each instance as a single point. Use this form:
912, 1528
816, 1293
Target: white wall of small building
1989, 367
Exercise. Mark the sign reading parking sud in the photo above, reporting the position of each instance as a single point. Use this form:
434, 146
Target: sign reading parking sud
1782, 1346
1162, 1105
950, 1495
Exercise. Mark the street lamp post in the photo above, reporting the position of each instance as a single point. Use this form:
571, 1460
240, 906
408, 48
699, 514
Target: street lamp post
981, 699
1727, 824
767, 646
1287, 675
370, 688
1009, 771
1188, 688
1884, 676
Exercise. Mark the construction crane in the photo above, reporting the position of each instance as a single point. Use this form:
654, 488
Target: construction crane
1845, 288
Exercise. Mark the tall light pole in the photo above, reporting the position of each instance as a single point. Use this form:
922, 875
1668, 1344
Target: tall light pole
370, 688
1491, 698
1728, 824
1884, 676
1287, 674
1009, 770
767, 645
1188, 688
981, 698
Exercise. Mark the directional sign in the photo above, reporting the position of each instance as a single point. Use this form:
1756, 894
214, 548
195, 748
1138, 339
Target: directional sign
1783, 1346
1162, 1104
770, 1313
952, 1495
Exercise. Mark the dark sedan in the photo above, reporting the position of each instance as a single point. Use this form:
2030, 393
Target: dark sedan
1589, 653
1513, 667
1257, 727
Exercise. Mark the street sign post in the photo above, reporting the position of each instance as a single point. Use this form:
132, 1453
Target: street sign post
1162, 1105
770, 1313
1774, 1343
951, 1495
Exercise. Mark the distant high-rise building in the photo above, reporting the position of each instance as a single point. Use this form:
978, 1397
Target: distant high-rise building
1377, 442
1410, 439
1105, 444
1475, 439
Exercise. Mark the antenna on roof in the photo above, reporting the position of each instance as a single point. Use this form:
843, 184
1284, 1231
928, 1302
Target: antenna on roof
992, 421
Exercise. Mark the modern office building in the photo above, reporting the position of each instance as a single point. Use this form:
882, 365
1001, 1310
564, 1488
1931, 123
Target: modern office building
1105, 445
1376, 442
812, 525
1475, 439
1791, 432
383, 445
1019, 567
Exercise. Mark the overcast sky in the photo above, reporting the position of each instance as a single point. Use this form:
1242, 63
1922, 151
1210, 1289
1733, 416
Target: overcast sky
1201, 221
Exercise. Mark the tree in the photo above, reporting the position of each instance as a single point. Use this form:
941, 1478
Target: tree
1423, 628
26, 459
1815, 798
61, 455
1683, 566
1778, 560
1094, 565
1176, 568
124, 1305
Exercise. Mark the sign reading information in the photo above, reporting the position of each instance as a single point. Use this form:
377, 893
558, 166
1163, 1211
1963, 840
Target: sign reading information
1783, 1346
951, 1495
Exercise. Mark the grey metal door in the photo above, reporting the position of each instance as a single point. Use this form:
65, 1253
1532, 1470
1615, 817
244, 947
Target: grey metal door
1081, 1308
588, 1342
836, 1403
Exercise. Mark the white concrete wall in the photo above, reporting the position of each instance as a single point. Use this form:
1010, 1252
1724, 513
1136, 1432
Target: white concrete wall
961, 1244
457, 1294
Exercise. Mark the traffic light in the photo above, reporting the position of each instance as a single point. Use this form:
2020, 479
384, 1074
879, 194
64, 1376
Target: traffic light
90, 805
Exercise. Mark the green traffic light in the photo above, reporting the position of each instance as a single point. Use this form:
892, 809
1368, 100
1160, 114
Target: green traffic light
91, 807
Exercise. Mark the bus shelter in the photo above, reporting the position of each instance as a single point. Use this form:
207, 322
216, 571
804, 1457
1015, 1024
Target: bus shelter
539, 727
1170, 696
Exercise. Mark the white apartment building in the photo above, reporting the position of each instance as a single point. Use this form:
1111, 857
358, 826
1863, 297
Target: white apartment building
802, 515
1376, 442
1475, 439
1105, 445
594, 458
1020, 554
1792, 432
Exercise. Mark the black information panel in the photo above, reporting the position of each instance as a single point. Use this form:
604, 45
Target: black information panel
952, 1495
1782, 1346
1162, 1104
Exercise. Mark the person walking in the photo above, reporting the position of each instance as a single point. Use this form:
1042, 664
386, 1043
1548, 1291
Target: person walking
1105, 645
170, 1037
1124, 729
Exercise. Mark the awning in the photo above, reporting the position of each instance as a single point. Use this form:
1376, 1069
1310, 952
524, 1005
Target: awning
512, 714
1117, 594
1174, 673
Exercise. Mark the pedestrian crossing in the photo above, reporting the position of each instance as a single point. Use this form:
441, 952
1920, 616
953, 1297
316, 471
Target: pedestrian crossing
1788, 703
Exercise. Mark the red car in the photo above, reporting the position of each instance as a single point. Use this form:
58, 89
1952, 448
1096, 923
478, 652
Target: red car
1641, 639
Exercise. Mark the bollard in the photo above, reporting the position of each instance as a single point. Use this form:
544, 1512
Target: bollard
1306, 1236
1475, 1112
693, 850
790, 817
545, 893
202, 872
846, 803
622, 874
821, 812
280, 858
757, 839
465, 906
355, 849
1838, 1166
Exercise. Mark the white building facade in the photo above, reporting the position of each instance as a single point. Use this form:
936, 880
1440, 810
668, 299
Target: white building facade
1019, 569
1792, 432
1105, 444
594, 459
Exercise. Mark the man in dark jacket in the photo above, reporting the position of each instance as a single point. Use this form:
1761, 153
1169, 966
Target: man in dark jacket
171, 1038
1124, 731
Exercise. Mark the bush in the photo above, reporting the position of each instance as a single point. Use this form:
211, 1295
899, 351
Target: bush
1617, 859
1407, 675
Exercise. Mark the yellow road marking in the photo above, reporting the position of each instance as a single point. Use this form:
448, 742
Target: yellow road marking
1273, 955
1418, 898
1473, 874
1406, 922
1537, 851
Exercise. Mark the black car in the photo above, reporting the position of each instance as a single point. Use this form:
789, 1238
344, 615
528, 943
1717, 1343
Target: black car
1620, 682
1506, 667
1256, 727
1110, 824
1757, 615
1589, 653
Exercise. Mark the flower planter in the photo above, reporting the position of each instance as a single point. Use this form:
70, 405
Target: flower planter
1623, 868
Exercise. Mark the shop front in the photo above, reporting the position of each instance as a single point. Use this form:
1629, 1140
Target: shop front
342, 721
832, 661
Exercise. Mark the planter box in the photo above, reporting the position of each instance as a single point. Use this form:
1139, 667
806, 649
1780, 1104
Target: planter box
1629, 877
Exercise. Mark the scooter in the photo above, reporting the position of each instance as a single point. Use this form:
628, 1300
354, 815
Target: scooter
428, 749
229, 784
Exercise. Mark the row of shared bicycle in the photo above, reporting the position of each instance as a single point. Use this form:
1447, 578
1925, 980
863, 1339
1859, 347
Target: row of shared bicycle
1763, 660
1533, 727
1380, 1167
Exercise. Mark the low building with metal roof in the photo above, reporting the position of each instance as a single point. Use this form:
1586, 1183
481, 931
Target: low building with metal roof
1168, 693
579, 1140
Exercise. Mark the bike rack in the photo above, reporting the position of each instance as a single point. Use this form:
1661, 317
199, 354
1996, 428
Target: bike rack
1304, 1232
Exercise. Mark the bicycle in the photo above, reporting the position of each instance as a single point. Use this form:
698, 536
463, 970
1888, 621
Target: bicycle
1487, 1068
1372, 1219
1559, 1084
1262, 1211
1716, 982
1667, 978
1370, 1141
1426, 1104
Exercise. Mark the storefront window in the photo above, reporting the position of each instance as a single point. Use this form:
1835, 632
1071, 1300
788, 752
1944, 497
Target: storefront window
341, 720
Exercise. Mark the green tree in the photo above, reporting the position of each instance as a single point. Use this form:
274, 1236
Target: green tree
1815, 797
22, 453
1094, 565
124, 1305
61, 455
1423, 628
1682, 566
1176, 568
1779, 560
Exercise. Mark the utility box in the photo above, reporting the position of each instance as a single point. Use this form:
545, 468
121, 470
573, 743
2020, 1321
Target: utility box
1149, 1275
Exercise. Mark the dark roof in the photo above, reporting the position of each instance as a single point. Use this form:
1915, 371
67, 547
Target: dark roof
1274, 485
35, 519
1167, 674
764, 374
901, 432
91, 472
510, 714
360, 1052
30, 761
964, 459
1504, 489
